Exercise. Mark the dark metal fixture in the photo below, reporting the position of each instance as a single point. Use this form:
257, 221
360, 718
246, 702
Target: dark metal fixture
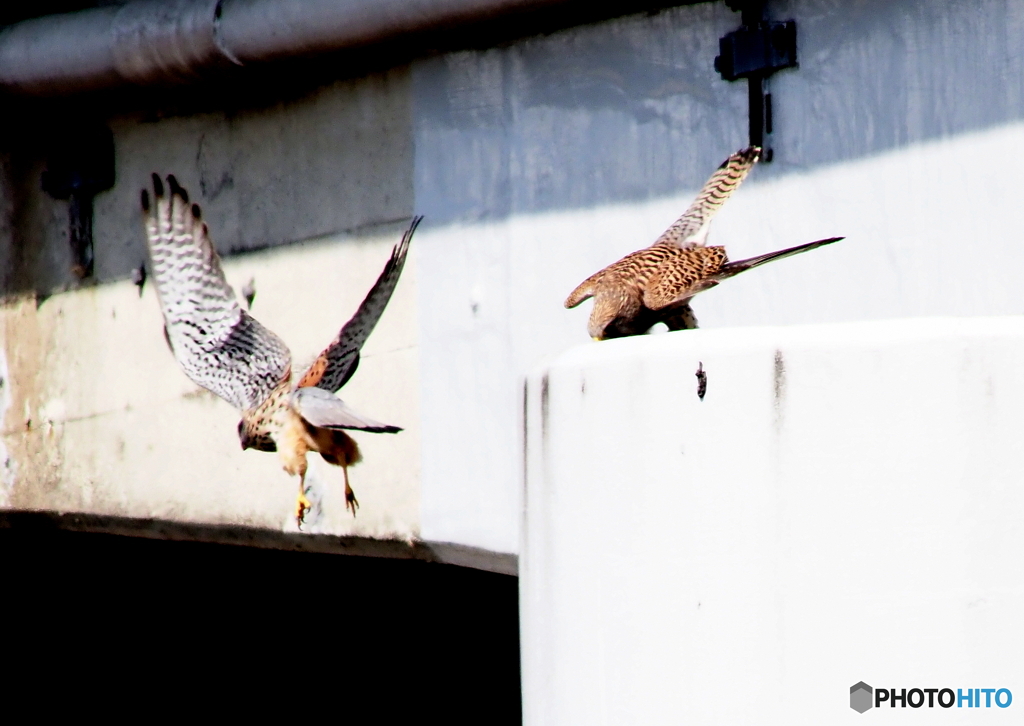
756, 50
80, 165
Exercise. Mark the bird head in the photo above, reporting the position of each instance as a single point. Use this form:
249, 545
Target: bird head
243, 434
254, 438
606, 310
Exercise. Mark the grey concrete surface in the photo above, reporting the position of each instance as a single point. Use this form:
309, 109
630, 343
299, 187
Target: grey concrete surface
336, 160
595, 115
632, 109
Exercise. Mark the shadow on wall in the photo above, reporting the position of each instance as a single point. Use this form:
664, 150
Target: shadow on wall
338, 159
618, 111
632, 108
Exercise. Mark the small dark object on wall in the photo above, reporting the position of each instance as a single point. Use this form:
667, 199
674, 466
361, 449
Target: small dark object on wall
139, 277
702, 381
80, 165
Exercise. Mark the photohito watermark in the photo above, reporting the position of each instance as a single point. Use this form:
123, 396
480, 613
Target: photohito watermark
863, 697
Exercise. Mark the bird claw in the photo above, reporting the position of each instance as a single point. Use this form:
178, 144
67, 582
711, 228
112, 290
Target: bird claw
302, 505
351, 503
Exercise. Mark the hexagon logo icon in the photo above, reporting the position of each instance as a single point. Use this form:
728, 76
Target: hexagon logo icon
860, 697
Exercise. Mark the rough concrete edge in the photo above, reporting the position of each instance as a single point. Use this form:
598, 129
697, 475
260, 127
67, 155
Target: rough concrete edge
240, 535
450, 553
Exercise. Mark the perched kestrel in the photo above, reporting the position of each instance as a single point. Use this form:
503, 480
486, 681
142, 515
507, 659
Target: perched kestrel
655, 285
222, 348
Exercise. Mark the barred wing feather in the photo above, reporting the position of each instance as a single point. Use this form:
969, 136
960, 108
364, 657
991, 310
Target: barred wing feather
691, 230
338, 362
218, 344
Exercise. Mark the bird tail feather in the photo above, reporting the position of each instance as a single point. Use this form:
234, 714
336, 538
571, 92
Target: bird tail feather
325, 410
734, 268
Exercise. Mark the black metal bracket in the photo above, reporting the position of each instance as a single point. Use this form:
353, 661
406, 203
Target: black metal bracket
756, 50
80, 165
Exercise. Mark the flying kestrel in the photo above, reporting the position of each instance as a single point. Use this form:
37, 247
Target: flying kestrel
656, 284
222, 348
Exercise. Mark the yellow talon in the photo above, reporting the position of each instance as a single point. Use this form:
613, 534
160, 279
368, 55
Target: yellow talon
302, 505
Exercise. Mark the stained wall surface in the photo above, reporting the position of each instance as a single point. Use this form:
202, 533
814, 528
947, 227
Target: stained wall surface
843, 505
304, 198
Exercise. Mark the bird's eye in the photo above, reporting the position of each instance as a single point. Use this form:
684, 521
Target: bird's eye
241, 425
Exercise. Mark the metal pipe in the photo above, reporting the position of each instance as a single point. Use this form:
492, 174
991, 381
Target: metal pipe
264, 29
153, 41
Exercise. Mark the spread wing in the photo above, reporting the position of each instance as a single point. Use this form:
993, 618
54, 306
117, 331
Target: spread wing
691, 230
219, 346
336, 364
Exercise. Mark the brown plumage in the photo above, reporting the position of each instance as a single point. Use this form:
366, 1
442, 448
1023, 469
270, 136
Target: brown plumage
656, 284
222, 348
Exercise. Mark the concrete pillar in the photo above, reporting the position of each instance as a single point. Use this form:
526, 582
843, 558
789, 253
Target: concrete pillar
844, 505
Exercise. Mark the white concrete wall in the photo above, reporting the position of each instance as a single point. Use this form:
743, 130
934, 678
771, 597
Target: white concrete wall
844, 505
539, 163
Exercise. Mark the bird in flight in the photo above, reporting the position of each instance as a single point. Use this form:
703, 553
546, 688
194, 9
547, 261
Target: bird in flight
222, 348
656, 284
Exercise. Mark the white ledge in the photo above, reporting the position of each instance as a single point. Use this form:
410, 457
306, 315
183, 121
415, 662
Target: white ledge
844, 505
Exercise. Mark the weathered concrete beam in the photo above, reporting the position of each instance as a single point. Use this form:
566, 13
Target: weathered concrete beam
168, 529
